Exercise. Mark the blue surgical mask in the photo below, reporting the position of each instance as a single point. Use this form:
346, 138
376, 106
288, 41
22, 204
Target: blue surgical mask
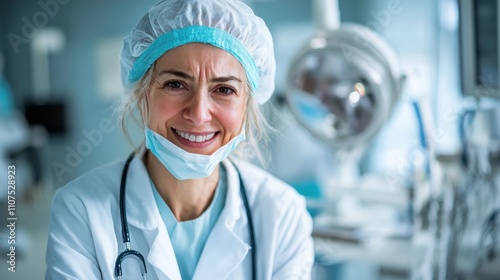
184, 165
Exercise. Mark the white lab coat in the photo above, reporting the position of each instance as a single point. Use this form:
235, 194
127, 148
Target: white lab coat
85, 230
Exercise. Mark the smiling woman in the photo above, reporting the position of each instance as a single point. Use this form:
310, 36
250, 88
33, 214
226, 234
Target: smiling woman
198, 72
255, 126
197, 90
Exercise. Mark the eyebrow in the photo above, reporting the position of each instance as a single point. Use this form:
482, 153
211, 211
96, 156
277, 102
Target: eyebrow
184, 75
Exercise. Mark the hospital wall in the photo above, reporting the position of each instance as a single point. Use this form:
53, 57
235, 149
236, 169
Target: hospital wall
73, 76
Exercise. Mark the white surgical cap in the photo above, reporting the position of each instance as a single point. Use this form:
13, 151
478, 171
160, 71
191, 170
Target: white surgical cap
227, 24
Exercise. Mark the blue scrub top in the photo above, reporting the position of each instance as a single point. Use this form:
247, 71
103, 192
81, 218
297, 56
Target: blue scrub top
189, 237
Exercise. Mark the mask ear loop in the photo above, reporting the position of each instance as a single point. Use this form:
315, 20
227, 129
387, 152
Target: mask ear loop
245, 127
144, 102
251, 103
145, 110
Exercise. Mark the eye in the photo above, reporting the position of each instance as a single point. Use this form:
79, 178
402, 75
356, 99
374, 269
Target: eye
174, 85
226, 90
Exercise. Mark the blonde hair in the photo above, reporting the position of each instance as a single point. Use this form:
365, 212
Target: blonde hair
257, 128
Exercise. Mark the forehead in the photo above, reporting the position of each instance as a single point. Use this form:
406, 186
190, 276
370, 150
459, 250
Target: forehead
197, 57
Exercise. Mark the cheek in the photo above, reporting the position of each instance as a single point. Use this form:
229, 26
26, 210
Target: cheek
160, 110
235, 117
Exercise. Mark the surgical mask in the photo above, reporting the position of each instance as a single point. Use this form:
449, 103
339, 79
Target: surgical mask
184, 165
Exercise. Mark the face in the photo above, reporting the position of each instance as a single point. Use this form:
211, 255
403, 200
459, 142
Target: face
197, 98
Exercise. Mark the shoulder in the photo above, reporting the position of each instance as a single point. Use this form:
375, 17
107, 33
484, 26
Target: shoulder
94, 183
268, 193
282, 222
259, 180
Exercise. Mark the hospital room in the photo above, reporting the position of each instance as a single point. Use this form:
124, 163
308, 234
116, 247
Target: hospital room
250, 139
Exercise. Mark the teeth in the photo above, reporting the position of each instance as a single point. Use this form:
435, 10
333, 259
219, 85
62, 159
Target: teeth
194, 138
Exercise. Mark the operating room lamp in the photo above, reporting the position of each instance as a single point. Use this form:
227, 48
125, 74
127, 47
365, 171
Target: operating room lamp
343, 83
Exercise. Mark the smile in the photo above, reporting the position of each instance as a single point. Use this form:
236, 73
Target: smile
195, 138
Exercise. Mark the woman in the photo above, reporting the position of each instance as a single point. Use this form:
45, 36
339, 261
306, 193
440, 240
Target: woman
198, 71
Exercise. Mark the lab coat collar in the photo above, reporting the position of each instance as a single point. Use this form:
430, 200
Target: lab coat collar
234, 208
143, 214
162, 255
224, 243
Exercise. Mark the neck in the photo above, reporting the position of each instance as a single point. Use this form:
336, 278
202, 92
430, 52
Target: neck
187, 199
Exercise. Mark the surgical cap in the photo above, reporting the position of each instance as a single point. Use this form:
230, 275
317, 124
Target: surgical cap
227, 24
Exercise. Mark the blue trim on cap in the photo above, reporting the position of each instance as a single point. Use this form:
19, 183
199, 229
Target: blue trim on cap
195, 34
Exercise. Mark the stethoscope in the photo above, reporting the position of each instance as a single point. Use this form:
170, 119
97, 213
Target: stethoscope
126, 235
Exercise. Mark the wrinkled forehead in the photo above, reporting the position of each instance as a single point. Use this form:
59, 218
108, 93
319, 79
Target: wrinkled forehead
196, 34
199, 58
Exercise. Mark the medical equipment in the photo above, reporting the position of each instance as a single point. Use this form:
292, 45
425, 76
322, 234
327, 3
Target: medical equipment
126, 235
465, 221
480, 47
343, 84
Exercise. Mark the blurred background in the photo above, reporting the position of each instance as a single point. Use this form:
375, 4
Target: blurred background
397, 155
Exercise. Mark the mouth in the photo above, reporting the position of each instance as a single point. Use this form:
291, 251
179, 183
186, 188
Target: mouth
195, 138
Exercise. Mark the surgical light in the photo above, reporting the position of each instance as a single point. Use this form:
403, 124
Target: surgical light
344, 82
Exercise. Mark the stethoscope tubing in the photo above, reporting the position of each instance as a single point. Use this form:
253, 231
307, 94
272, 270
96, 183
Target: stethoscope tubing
125, 232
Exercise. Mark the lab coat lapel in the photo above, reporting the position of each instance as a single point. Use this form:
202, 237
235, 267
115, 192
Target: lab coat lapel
143, 214
162, 256
225, 249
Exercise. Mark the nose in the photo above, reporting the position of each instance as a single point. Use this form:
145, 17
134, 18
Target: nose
198, 108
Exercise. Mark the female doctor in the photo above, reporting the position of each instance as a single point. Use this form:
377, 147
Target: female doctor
198, 71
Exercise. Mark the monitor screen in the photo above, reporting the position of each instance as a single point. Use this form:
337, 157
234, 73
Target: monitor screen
486, 27
51, 115
479, 47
